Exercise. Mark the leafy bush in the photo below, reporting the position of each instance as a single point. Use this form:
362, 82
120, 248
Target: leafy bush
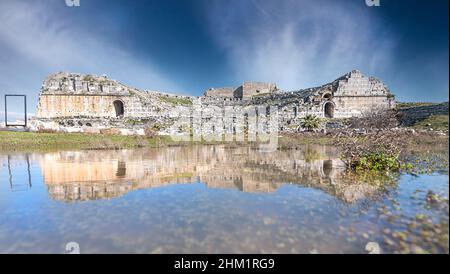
378, 161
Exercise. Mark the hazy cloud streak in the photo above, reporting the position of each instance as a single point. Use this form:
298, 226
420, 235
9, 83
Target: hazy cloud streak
298, 44
35, 41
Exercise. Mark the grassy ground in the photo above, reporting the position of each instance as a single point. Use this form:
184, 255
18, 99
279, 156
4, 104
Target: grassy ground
28, 141
32, 141
436, 122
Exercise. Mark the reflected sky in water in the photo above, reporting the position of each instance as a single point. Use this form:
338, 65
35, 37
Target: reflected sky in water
213, 199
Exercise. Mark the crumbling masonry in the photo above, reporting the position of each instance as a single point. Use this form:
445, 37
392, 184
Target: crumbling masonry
87, 103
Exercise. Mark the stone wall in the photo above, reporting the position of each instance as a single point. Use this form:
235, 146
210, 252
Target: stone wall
251, 89
350, 95
356, 84
353, 106
75, 96
82, 105
73, 83
246, 91
226, 92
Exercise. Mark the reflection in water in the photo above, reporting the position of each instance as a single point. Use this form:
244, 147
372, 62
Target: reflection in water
214, 199
19, 186
90, 175
121, 169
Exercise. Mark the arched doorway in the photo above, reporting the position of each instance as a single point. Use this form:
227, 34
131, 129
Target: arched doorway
327, 167
329, 110
118, 107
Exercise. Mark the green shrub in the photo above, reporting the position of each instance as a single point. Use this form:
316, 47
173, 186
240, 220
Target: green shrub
311, 122
377, 161
373, 152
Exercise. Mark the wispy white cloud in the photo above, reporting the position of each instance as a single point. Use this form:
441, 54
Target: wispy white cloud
35, 40
299, 43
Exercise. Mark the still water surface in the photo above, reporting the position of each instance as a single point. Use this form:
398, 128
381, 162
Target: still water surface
214, 199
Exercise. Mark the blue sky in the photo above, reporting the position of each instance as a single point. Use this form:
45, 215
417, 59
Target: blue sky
187, 46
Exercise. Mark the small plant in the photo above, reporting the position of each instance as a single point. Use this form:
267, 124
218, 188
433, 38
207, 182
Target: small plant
311, 122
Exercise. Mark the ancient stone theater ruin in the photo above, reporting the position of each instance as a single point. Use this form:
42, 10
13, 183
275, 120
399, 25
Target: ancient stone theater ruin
75, 102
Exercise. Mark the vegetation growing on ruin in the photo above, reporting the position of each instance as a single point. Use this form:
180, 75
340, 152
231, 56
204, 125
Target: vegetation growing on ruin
89, 78
176, 101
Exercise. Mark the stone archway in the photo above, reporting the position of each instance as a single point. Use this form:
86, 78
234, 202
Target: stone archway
329, 110
327, 167
327, 96
119, 108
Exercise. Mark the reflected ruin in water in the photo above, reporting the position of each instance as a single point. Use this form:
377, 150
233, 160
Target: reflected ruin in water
91, 175
211, 199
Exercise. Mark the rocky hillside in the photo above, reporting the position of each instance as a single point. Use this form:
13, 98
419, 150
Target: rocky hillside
412, 114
